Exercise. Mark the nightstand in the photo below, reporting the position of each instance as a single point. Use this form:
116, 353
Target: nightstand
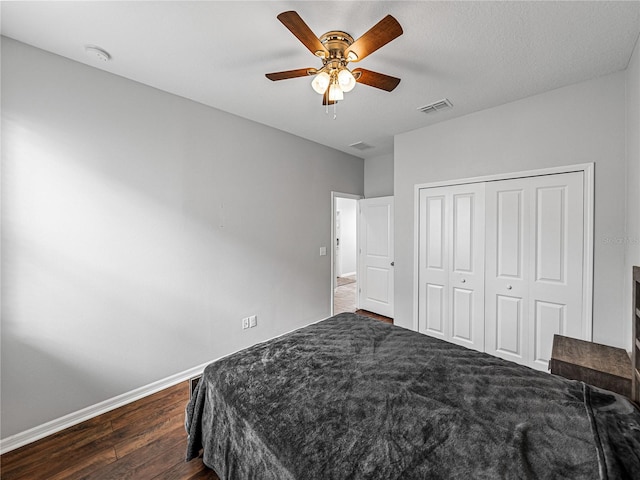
600, 365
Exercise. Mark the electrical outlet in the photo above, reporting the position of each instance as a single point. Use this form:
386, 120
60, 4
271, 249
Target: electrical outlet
253, 321
245, 323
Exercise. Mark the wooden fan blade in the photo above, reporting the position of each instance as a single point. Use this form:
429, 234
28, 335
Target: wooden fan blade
375, 79
302, 32
325, 98
300, 72
377, 36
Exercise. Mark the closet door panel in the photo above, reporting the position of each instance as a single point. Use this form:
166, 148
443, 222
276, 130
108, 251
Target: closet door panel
550, 234
463, 234
508, 332
549, 319
462, 315
466, 257
557, 245
434, 304
506, 270
451, 264
509, 218
433, 276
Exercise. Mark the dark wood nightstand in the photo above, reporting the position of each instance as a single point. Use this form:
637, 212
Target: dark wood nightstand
599, 365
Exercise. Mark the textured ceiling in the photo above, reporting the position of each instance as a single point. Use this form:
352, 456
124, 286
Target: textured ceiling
476, 54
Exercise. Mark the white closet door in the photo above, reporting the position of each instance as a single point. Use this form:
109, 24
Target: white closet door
507, 269
451, 272
534, 262
555, 263
433, 273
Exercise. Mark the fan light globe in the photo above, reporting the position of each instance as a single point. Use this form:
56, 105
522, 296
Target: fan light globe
320, 82
335, 92
346, 80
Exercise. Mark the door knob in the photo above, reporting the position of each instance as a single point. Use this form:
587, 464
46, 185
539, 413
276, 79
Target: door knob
463, 280
509, 287
393, 263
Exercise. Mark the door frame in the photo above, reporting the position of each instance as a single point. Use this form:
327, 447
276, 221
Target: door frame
334, 196
589, 211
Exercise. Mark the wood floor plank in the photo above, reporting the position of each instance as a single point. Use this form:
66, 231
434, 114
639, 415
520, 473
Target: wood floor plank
58, 453
89, 429
192, 470
134, 465
65, 458
138, 421
150, 435
86, 465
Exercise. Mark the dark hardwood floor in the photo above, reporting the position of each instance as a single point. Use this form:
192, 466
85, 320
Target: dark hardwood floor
382, 318
143, 440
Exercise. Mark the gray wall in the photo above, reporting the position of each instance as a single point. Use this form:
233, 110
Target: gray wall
138, 228
378, 176
632, 237
580, 123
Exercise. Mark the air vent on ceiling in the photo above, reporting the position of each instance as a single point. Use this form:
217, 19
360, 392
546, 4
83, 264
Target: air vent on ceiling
361, 146
436, 106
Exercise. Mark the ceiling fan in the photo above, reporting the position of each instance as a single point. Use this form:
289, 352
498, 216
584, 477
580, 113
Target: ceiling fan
336, 49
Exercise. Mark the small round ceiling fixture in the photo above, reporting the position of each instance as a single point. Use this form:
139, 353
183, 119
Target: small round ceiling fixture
97, 52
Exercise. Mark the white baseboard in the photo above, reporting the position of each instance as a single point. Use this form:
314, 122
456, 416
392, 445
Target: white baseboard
348, 274
36, 433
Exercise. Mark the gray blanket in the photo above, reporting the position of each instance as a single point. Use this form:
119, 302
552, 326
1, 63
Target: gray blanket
355, 398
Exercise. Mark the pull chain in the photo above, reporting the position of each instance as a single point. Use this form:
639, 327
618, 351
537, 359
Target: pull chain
335, 110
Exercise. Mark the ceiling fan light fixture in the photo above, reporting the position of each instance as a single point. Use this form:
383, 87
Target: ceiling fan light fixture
320, 82
336, 49
346, 80
335, 92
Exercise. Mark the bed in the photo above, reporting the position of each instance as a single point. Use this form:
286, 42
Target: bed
355, 398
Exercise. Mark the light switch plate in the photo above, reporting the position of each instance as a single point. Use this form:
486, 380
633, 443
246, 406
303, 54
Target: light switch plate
323, 251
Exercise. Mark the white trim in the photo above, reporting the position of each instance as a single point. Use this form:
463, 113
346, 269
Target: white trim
49, 428
335, 195
589, 212
416, 253
581, 167
348, 274
589, 235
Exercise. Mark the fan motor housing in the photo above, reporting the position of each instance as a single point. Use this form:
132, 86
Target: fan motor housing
337, 43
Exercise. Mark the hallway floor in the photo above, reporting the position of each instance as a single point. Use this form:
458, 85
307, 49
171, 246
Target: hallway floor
344, 296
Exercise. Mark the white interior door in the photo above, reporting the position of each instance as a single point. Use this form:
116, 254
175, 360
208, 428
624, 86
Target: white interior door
451, 268
376, 255
534, 265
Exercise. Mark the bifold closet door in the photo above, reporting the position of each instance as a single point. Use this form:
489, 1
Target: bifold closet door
534, 265
451, 264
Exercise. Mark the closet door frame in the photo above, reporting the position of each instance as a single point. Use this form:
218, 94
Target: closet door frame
589, 210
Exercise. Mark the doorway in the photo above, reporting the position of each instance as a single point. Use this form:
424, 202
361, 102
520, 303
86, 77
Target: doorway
344, 268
